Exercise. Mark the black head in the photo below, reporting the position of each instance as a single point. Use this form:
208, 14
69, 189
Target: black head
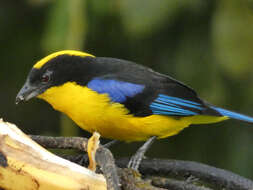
54, 70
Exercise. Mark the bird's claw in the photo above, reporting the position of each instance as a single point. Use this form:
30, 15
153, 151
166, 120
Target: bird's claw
135, 162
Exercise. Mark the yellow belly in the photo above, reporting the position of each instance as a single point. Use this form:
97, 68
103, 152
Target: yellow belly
94, 112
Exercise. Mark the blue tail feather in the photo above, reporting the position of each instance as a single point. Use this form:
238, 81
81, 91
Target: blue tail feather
233, 115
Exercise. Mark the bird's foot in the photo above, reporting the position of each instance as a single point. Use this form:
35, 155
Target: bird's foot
136, 159
92, 146
84, 160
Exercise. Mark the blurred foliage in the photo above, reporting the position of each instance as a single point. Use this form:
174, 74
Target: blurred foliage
207, 44
65, 30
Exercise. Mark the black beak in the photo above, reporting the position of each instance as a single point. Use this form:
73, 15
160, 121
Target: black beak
26, 93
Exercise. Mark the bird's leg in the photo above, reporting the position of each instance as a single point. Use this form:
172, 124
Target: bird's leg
109, 144
84, 160
92, 146
136, 159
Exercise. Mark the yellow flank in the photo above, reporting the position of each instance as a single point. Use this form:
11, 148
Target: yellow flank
40, 63
94, 112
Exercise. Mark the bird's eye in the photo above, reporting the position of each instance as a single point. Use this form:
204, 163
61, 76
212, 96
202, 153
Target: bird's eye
45, 78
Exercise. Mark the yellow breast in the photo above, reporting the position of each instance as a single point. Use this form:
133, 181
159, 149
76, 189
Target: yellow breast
95, 112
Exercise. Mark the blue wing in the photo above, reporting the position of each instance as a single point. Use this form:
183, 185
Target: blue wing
169, 105
118, 91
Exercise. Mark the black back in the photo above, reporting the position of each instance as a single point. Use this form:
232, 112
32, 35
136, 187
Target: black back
83, 69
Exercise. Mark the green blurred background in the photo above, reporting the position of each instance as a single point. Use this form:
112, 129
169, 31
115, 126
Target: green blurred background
205, 43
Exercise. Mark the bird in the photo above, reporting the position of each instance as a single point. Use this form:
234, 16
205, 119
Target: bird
119, 99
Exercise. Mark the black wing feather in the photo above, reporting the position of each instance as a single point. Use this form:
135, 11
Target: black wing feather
156, 84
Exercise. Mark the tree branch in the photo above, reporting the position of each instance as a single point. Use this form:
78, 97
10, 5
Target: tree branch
217, 178
174, 184
78, 143
205, 177
106, 162
104, 157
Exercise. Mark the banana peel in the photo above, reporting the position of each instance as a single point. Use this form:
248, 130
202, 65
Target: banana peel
25, 165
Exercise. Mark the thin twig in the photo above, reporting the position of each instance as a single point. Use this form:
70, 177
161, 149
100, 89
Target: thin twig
78, 143
106, 162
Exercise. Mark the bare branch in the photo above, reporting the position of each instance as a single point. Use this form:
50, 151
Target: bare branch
104, 157
78, 143
215, 177
175, 169
174, 184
